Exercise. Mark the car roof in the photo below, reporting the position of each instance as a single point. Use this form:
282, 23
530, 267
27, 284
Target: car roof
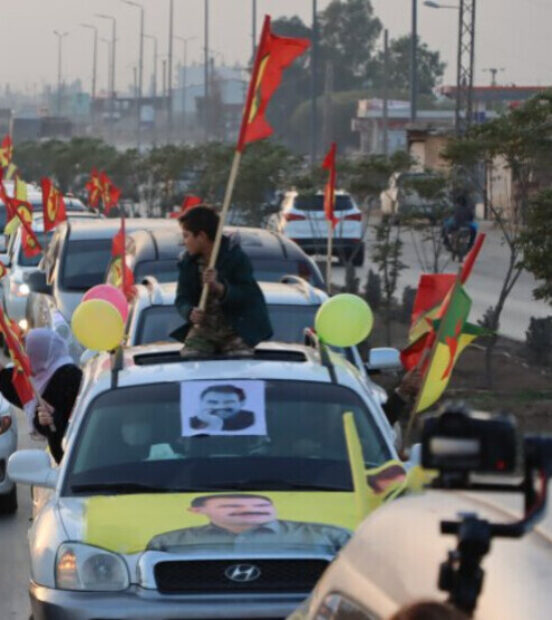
387, 548
164, 243
294, 291
105, 228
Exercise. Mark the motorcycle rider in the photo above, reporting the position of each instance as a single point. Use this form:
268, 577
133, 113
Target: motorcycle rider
463, 216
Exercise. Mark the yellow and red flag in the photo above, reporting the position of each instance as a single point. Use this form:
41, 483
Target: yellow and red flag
274, 54
6, 152
109, 192
93, 187
329, 190
188, 202
53, 205
120, 274
22, 366
29, 241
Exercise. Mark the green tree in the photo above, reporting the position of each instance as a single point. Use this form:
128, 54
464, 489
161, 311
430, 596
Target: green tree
429, 64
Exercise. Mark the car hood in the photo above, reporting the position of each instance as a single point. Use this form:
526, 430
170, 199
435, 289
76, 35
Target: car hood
128, 524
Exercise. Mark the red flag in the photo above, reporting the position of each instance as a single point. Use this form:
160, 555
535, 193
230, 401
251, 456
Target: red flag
432, 290
53, 205
274, 54
3, 270
6, 152
22, 366
329, 190
470, 258
29, 241
110, 193
94, 189
187, 203
120, 274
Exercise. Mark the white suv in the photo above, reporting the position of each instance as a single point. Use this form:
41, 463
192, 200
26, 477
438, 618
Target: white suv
158, 513
301, 217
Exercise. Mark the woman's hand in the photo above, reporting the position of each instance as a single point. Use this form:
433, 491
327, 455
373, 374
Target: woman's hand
45, 414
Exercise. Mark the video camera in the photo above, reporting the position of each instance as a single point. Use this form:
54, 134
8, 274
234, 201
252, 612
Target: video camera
460, 445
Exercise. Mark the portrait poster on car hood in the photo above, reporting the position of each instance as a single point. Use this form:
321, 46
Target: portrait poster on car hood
225, 407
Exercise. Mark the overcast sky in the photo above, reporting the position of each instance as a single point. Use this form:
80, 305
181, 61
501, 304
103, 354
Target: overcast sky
510, 34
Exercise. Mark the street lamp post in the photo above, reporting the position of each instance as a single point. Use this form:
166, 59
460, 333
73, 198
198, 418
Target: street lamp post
253, 28
184, 73
108, 73
60, 36
155, 65
414, 63
314, 68
94, 58
113, 47
170, 75
206, 68
140, 70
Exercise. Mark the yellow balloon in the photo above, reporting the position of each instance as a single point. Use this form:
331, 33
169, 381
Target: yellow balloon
344, 320
98, 325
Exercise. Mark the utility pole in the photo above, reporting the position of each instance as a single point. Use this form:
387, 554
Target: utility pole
253, 28
140, 72
386, 92
60, 36
170, 75
465, 66
206, 69
184, 75
414, 63
113, 47
314, 68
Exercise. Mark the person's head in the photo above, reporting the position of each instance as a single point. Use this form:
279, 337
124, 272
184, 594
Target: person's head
428, 610
136, 428
199, 228
44, 348
223, 401
235, 511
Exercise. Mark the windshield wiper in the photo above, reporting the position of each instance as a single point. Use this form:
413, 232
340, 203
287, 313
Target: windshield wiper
119, 487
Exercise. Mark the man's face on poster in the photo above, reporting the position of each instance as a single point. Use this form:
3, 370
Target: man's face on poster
229, 512
222, 404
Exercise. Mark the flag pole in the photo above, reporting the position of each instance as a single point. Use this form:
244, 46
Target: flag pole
329, 256
422, 361
237, 158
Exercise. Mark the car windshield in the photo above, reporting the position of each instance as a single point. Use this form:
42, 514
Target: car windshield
32, 261
135, 438
85, 263
288, 323
315, 202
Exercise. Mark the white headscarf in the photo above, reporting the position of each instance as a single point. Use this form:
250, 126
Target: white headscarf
47, 352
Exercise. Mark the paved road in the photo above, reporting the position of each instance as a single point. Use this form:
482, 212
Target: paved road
483, 285
14, 561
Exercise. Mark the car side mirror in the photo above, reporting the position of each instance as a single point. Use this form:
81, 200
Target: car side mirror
38, 284
383, 358
32, 467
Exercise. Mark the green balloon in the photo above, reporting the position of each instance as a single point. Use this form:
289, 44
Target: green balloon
344, 320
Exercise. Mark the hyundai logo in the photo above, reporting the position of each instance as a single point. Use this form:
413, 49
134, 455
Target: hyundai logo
242, 573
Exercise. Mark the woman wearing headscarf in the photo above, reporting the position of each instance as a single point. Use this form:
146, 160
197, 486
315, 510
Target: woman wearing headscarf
56, 378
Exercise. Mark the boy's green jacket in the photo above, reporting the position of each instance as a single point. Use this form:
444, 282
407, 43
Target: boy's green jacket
243, 303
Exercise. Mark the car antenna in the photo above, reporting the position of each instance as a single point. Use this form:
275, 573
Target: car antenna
117, 364
312, 340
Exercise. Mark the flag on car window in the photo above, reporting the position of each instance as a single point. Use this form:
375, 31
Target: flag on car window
22, 366
53, 205
274, 54
6, 152
109, 192
93, 188
451, 338
329, 190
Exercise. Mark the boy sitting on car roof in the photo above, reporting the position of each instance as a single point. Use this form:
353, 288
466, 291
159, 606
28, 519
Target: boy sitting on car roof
235, 318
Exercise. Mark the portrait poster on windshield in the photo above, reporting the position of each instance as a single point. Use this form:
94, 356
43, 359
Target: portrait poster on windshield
224, 407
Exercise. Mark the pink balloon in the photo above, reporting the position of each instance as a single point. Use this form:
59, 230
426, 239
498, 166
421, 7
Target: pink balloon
111, 294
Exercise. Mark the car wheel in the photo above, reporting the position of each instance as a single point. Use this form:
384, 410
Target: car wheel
8, 502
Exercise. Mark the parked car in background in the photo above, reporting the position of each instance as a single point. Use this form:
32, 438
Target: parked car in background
301, 217
8, 445
403, 199
130, 529
156, 252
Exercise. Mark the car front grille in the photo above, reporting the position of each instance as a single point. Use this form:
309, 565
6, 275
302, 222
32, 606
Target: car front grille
255, 576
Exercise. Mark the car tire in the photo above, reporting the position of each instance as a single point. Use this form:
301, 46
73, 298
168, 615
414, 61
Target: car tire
8, 502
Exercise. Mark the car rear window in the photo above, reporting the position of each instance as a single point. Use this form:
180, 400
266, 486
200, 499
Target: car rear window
315, 202
303, 446
84, 263
163, 270
273, 269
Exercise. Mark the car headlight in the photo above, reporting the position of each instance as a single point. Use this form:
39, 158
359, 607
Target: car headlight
83, 567
19, 289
